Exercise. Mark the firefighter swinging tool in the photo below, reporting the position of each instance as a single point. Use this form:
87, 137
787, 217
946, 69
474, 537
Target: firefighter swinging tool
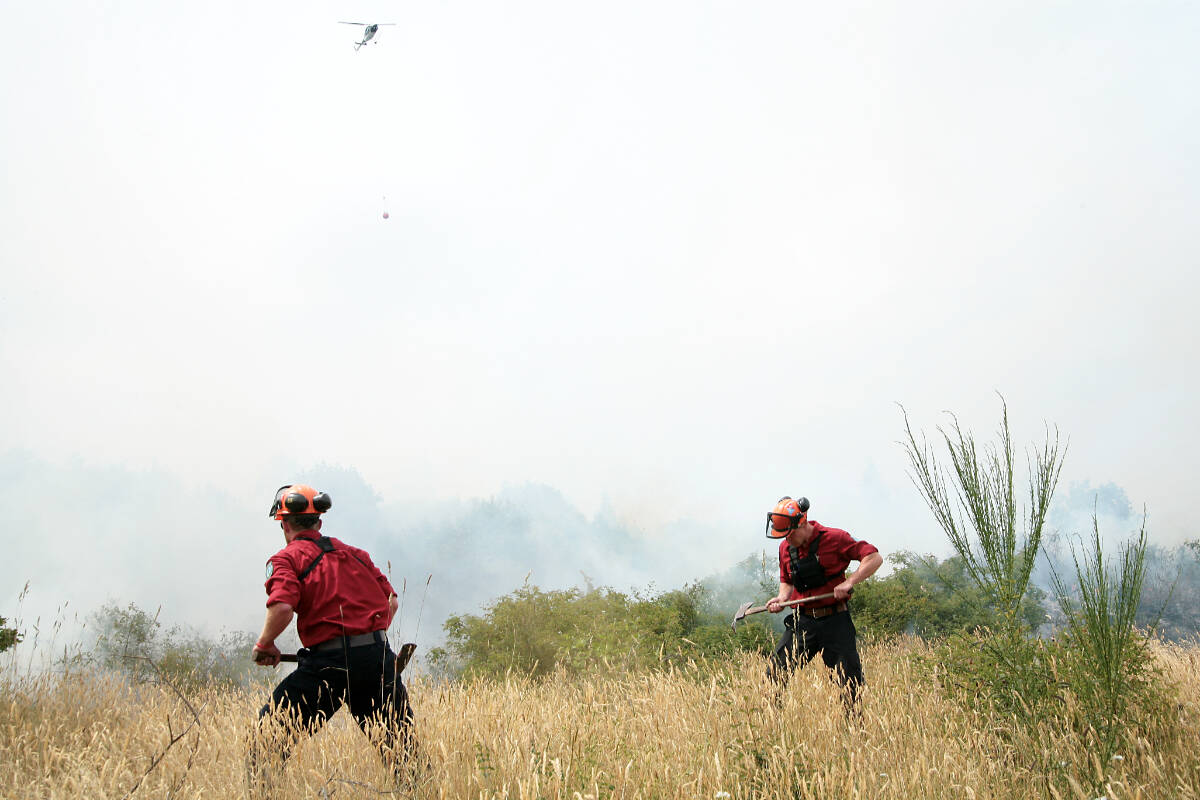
749, 608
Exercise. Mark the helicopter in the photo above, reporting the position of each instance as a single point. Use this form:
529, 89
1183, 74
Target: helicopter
369, 29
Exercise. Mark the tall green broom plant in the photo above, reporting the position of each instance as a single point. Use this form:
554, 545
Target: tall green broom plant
1115, 679
974, 500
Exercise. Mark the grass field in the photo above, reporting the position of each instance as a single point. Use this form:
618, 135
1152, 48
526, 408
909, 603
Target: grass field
686, 734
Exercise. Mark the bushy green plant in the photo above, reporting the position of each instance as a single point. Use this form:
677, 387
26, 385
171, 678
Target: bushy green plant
126, 639
535, 632
1001, 670
192, 660
9, 637
122, 636
931, 599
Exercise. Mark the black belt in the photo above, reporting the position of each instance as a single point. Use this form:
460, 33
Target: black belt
823, 611
357, 640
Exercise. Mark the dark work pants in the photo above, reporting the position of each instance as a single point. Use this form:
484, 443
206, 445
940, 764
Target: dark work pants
362, 677
833, 637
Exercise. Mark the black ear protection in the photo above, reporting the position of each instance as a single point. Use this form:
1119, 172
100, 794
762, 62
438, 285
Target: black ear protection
297, 503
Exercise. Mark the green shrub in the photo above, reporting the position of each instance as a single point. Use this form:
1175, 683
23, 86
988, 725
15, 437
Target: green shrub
9, 637
931, 599
1002, 671
126, 639
535, 632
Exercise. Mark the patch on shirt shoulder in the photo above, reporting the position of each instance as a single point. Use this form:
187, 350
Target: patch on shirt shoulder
270, 568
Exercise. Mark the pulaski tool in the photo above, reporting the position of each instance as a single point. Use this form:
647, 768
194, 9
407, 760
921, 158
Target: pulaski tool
749, 608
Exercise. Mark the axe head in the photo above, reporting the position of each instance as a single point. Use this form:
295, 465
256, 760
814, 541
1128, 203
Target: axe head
403, 655
741, 613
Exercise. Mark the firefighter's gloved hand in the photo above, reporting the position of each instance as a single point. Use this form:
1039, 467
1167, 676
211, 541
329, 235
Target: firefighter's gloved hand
266, 655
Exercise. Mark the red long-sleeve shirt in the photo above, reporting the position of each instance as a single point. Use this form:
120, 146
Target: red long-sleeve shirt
345, 594
835, 550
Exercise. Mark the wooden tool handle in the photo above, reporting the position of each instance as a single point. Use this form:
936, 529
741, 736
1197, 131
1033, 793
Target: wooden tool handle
402, 657
795, 602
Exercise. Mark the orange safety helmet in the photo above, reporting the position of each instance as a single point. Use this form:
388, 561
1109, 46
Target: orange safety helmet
296, 498
785, 516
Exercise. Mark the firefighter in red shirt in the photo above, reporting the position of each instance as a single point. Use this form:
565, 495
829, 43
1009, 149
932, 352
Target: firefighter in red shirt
813, 561
343, 606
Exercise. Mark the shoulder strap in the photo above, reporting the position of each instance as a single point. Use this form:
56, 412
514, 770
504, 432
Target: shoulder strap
326, 547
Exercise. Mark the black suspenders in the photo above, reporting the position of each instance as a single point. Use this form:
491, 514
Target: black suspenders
326, 545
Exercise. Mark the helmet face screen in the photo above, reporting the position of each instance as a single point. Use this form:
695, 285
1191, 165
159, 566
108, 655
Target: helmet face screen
780, 525
780, 522
278, 500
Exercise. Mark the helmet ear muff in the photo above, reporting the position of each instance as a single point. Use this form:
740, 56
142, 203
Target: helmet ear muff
803, 503
322, 503
296, 503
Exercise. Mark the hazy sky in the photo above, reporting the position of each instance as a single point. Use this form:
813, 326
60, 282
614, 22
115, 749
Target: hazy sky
673, 259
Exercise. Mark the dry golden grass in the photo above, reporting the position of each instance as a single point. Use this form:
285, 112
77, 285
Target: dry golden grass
644, 736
